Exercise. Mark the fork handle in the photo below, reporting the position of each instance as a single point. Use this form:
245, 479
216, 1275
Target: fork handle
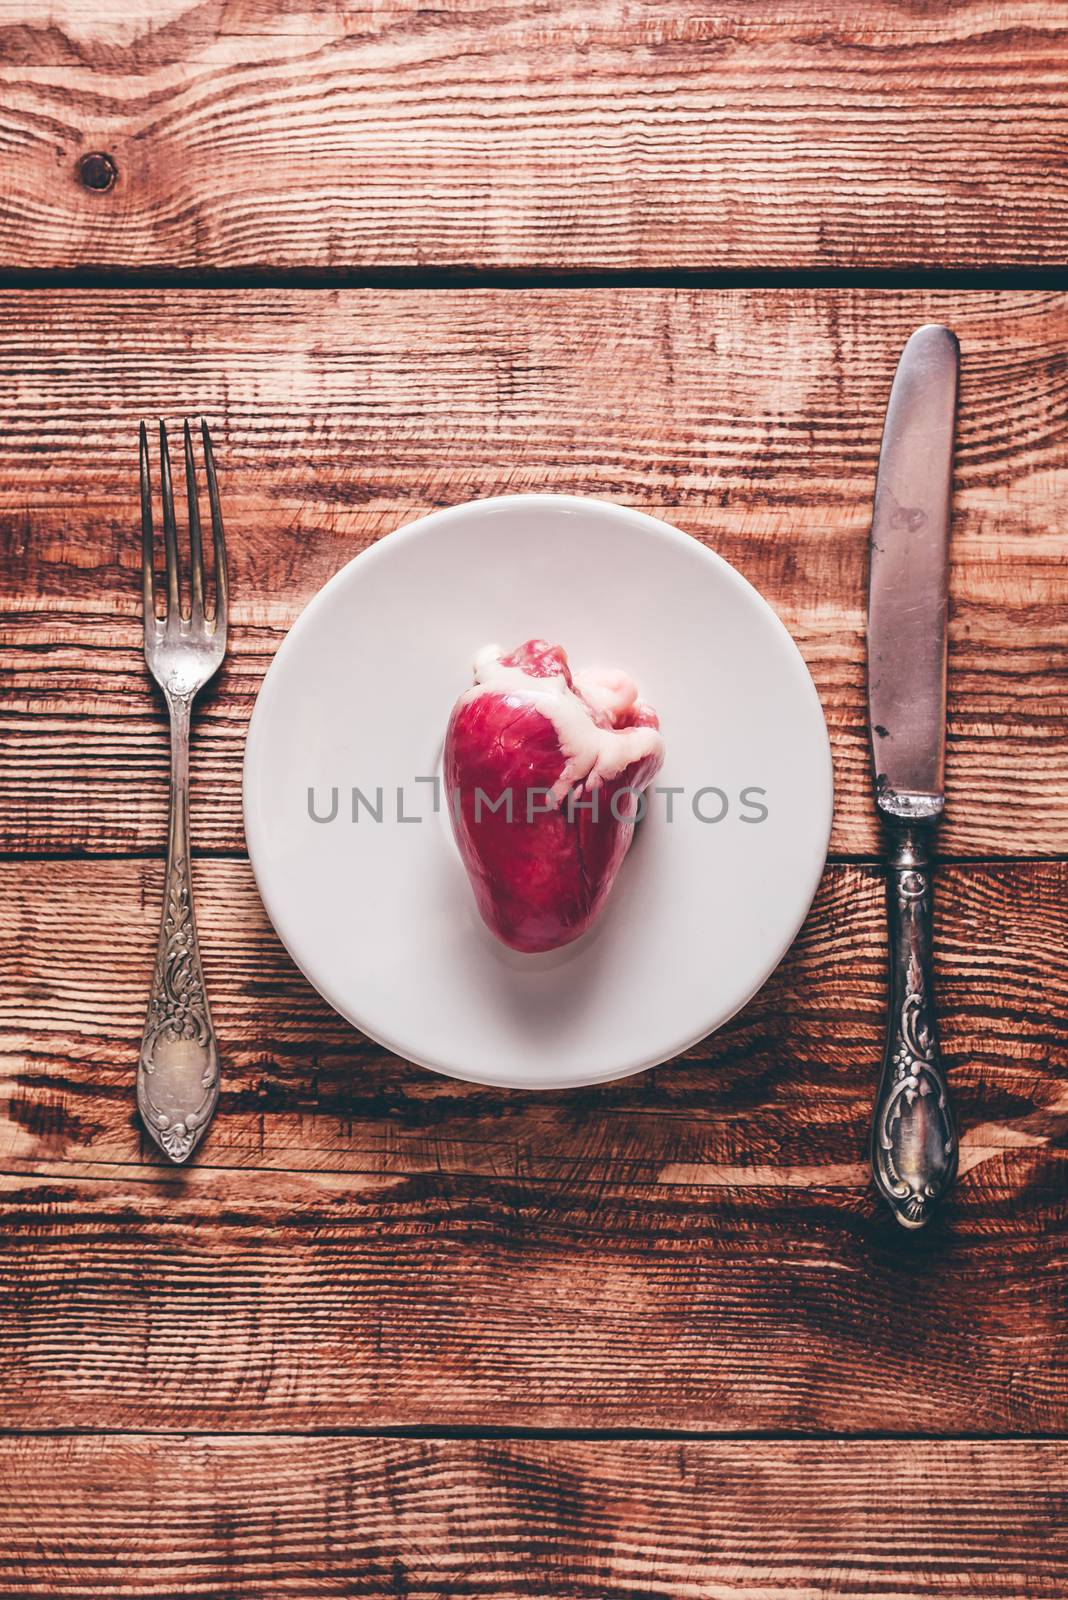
914, 1143
178, 1072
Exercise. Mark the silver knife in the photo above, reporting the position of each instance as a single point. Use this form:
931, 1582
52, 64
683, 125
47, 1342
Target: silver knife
914, 1143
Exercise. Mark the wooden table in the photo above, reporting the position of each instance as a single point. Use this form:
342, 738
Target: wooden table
391, 1335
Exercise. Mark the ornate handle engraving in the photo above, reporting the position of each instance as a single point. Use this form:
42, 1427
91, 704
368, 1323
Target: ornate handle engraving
178, 1072
914, 1144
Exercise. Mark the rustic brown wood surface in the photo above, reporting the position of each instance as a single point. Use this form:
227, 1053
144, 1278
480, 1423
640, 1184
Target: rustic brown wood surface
393, 1335
554, 134
425, 1252
340, 415
780, 1094
364, 1246
508, 1519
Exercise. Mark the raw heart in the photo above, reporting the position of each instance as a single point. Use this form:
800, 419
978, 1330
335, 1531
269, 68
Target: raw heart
544, 771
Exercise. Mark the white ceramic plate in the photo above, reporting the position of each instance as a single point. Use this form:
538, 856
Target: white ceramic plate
379, 915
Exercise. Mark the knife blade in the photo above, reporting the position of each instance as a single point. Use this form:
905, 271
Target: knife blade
914, 1142
909, 578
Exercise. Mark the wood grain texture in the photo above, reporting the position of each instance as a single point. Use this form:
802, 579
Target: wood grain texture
253, 1303
555, 134
752, 420
242, 1301
363, 1246
781, 1093
224, 1519
698, 1247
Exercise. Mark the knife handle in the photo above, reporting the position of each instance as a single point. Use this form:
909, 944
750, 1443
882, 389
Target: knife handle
914, 1142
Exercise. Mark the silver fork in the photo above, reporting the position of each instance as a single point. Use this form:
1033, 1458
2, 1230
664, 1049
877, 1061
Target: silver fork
178, 1073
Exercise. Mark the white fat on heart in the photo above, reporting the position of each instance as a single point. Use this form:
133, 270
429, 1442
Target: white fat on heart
592, 755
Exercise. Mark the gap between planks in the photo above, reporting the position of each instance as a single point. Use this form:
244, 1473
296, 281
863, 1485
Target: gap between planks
429, 279
476, 1433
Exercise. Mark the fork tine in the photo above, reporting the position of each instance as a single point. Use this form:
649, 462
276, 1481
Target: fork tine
170, 532
221, 580
147, 554
196, 548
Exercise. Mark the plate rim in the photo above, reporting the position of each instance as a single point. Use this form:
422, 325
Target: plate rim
417, 526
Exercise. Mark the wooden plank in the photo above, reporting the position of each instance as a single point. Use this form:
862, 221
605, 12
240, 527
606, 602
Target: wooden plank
697, 1247
249, 1302
637, 133
141, 1516
783, 1090
752, 420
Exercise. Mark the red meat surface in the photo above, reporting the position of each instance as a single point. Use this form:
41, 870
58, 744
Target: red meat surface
574, 754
